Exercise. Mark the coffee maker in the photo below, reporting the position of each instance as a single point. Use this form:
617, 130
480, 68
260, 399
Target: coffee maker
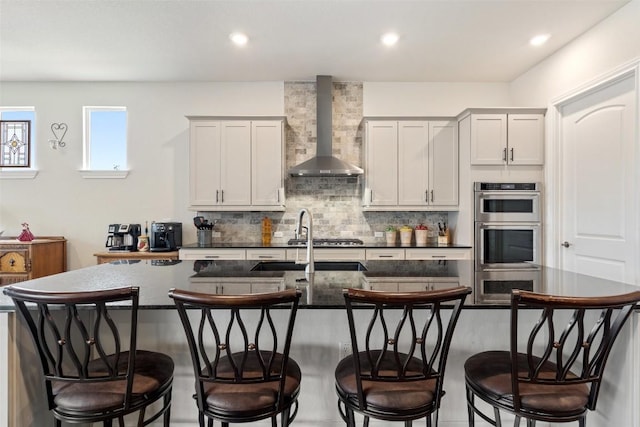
165, 236
123, 237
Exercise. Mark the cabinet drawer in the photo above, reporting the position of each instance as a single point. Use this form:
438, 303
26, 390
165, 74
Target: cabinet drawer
267, 254
327, 254
437, 254
383, 254
207, 254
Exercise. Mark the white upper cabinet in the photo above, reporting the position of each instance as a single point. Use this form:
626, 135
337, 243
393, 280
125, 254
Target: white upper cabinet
411, 165
236, 164
507, 139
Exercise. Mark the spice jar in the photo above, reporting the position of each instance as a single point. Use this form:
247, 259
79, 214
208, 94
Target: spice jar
266, 231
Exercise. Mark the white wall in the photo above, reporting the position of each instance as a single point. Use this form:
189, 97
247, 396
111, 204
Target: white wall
60, 202
431, 99
610, 44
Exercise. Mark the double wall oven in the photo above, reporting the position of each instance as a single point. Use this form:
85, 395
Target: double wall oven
508, 238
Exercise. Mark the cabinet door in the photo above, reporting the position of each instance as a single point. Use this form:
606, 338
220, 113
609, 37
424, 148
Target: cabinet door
204, 155
443, 164
488, 139
413, 163
526, 139
266, 156
235, 163
382, 163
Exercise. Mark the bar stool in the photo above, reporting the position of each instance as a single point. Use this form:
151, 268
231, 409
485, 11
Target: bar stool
241, 363
90, 374
554, 368
398, 372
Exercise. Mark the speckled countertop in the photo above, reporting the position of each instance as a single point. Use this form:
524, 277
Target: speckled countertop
155, 278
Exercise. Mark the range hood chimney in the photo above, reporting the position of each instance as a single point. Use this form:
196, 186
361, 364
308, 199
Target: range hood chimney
324, 163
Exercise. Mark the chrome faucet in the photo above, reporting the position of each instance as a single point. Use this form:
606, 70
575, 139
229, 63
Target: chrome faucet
310, 268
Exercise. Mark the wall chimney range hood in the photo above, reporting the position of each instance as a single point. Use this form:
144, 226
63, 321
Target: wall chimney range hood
324, 163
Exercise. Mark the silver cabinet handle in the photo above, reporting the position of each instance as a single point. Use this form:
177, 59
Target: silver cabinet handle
385, 256
431, 196
438, 256
504, 154
265, 256
221, 196
217, 191
512, 154
211, 256
565, 244
426, 196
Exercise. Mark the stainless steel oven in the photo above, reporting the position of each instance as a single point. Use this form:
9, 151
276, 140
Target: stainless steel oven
507, 202
510, 245
508, 226
494, 287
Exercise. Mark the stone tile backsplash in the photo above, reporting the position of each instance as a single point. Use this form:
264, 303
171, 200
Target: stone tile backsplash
334, 202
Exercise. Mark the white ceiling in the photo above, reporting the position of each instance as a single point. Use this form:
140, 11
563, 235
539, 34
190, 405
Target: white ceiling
290, 40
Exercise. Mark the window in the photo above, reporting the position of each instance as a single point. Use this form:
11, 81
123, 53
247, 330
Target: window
105, 141
16, 142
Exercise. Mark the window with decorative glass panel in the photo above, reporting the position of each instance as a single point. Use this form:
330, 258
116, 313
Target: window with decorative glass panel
16, 124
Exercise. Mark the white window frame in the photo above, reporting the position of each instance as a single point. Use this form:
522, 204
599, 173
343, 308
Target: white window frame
32, 171
86, 170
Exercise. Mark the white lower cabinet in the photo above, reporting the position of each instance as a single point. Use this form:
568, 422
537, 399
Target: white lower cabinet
409, 284
385, 254
433, 254
236, 285
267, 254
193, 254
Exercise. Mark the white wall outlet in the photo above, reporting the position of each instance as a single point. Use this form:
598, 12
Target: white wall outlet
346, 233
278, 234
378, 234
344, 350
216, 234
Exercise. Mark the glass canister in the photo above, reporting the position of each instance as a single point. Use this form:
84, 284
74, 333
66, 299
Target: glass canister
266, 231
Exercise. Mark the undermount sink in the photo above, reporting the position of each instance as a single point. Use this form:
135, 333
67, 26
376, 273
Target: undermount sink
319, 265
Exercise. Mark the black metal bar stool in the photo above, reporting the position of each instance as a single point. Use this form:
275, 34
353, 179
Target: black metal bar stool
90, 374
397, 373
241, 363
554, 368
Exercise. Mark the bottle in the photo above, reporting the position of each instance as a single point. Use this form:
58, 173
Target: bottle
266, 231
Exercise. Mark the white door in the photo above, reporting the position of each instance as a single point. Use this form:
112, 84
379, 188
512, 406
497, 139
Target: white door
266, 162
597, 182
382, 163
235, 164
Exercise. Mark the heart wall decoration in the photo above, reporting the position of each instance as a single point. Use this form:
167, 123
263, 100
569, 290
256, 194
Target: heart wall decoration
59, 130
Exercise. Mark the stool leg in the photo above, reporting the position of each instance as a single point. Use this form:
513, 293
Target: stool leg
470, 406
284, 418
496, 413
531, 423
167, 411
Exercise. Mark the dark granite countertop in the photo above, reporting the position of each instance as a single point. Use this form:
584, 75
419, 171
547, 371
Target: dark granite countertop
155, 278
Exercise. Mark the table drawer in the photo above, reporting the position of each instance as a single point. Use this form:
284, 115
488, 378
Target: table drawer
267, 254
382, 254
212, 254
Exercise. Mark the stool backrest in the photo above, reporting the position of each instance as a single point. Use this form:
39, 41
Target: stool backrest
74, 335
234, 338
402, 327
569, 343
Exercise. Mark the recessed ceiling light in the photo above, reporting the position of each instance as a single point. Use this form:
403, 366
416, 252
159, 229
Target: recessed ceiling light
539, 40
389, 39
239, 39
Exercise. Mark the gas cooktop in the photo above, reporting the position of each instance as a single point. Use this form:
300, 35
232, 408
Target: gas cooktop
326, 242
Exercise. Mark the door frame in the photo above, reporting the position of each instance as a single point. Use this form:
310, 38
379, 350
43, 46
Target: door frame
553, 232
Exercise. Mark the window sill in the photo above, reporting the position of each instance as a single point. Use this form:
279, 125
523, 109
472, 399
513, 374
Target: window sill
18, 174
106, 174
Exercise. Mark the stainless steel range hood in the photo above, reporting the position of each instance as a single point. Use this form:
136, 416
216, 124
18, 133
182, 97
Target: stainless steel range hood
324, 163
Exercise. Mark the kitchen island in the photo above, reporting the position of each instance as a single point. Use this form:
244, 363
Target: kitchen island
321, 327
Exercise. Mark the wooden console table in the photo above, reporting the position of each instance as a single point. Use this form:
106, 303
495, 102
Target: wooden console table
103, 257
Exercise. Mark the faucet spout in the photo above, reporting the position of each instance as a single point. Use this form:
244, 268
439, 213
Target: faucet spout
310, 268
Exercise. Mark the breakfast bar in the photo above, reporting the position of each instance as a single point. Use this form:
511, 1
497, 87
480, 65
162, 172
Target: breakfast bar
320, 328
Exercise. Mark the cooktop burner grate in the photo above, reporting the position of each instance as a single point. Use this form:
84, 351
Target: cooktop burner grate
326, 242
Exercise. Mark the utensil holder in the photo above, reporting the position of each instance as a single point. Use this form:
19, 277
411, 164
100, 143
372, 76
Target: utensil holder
205, 237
